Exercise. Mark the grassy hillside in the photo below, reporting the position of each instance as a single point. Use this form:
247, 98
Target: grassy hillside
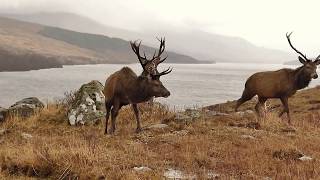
196, 43
230, 146
18, 38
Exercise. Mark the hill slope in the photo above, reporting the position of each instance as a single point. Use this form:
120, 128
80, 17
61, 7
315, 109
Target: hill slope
60, 46
195, 43
208, 146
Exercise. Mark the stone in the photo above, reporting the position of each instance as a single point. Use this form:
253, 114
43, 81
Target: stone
26, 135
212, 175
287, 155
142, 169
289, 130
3, 132
305, 158
181, 133
193, 113
177, 174
253, 125
158, 126
215, 113
26, 107
182, 118
247, 137
88, 106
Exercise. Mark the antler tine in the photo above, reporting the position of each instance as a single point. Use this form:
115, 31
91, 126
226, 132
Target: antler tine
136, 50
317, 57
167, 71
288, 37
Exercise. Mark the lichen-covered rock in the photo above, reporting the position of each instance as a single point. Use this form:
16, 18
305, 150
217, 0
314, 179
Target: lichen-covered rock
3, 113
88, 105
26, 107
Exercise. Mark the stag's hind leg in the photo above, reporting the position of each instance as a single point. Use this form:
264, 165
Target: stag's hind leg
246, 96
136, 112
284, 101
108, 108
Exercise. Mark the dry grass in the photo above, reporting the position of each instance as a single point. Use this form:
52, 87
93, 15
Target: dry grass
208, 144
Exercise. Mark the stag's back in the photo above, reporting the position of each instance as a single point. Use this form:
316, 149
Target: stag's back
118, 82
270, 84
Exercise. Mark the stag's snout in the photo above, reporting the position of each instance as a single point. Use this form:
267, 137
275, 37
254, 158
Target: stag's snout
314, 76
166, 94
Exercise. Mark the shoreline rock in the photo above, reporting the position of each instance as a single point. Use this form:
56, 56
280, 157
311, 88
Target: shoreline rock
88, 105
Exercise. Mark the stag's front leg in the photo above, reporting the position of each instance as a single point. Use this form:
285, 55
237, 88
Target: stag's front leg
261, 103
285, 104
136, 112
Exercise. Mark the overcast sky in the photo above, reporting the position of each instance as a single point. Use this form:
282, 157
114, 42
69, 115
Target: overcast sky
263, 22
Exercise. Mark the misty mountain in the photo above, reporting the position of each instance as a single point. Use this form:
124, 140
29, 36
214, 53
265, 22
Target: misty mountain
196, 43
58, 46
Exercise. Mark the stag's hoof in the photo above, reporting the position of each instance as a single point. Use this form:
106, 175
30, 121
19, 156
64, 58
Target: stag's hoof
111, 131
138, 130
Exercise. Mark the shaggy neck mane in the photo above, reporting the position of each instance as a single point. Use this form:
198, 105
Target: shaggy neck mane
302, 79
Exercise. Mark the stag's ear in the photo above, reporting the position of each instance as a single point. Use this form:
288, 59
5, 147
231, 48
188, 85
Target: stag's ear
317, 62
302, 60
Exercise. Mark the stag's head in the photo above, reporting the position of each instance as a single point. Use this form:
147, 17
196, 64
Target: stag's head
149, 66
309, 67
151, 75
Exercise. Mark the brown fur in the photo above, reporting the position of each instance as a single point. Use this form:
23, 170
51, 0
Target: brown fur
125, 87
280, 84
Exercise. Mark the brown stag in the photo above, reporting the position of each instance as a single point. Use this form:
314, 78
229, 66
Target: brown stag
280, 84
125, 87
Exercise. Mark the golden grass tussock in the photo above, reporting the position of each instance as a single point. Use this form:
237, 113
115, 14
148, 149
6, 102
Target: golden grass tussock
46, 146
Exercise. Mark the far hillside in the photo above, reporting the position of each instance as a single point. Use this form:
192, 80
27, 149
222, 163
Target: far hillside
52, 47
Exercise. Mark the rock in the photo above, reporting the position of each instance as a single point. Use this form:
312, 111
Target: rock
3, 132
88, 105
212, 175
181, 133
289, 130
182, 118
158, 126
177, 174
305, 158
26, 135
253, 125
26, 107
3, 113
215, 113
142, 169
193, 113
287, 155
247, 137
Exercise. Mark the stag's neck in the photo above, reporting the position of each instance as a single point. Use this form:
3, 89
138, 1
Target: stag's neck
301, 79
139, 92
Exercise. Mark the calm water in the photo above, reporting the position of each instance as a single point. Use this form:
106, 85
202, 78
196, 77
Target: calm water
190, 85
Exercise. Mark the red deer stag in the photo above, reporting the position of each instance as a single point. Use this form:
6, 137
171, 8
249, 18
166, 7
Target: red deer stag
280, 84
125, 87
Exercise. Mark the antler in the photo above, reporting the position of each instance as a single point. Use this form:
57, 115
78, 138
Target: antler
136, 49
167, 71
317, 58
157, 59
304, 56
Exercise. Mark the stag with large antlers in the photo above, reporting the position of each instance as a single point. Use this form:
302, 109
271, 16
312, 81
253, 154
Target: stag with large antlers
280, 84
125, 87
